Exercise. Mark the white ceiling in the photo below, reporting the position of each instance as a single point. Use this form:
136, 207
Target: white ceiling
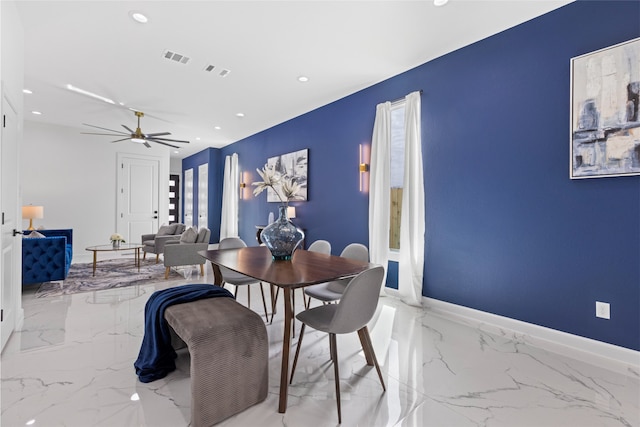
342, 46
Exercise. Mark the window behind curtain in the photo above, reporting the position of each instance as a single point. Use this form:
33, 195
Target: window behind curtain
397, 172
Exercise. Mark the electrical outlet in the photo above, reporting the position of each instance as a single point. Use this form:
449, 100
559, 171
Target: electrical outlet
603, 310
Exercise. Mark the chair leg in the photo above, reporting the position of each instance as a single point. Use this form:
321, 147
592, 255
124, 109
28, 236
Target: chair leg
334, 358
144, 255
264, 303
202, 269
274, 300
369, 352
166, 272
295, 358
157, 258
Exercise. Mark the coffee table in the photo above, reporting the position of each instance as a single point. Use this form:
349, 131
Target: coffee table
110, 248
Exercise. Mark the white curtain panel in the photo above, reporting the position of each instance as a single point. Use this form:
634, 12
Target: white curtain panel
230, 198
379, 188
412, 223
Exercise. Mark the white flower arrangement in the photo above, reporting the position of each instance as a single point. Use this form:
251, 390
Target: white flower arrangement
278, 183
117, 237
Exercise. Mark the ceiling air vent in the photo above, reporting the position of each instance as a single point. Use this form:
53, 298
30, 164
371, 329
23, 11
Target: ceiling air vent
176, 57
209, 68
224, 72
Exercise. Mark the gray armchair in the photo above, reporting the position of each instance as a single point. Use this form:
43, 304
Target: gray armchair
155, 243
185, 251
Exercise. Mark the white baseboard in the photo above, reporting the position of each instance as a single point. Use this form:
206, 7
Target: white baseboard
609, 356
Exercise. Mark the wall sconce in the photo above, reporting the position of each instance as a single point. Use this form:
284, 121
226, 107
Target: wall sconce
32, 212
244, 178
363, 168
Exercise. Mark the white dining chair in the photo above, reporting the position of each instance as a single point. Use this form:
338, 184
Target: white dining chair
355, 309
332, 291
321, 246
234, 278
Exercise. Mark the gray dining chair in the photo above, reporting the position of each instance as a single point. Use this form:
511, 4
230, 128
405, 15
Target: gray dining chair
332, 291
321, 246
234, 278
355, 309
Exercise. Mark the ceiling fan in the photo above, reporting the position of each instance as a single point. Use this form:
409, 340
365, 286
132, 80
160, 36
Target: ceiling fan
137, 135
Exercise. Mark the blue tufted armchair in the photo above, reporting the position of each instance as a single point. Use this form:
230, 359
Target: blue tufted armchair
46, 258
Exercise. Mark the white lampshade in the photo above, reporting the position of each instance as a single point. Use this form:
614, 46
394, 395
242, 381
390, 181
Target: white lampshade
291, 212
32, 212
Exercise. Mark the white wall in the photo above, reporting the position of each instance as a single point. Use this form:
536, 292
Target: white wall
74, 177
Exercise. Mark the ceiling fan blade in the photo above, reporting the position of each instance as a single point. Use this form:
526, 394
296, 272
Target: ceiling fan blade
123, 139
106, 134
129, 129
146, 144
172, 140
153, 135
110, 130
162, 142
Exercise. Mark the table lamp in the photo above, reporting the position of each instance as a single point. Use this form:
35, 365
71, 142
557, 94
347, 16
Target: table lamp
32, 212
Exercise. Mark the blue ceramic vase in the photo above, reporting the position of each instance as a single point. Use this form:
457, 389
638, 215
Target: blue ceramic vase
282, 237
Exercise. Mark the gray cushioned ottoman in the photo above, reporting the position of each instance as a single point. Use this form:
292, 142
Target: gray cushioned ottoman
229, 352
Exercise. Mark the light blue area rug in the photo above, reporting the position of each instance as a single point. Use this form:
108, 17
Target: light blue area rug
110, 273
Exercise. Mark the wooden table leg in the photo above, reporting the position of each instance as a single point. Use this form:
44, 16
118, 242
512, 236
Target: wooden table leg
286, 348
138, 258
95, 258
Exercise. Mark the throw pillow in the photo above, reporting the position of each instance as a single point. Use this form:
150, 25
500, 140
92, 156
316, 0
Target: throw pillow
166, 230
202, 234
189, 236
34, 234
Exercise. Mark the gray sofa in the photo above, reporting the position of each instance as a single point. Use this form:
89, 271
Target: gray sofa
185, 250
155, 243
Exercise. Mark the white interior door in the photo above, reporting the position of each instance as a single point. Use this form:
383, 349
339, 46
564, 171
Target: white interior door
203, 195
11, 246
188, 197
138, 196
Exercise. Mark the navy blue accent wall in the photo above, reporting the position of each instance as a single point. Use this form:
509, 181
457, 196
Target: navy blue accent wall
507, 231
212, 157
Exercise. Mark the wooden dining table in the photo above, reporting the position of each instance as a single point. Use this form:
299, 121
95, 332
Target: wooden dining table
304, 269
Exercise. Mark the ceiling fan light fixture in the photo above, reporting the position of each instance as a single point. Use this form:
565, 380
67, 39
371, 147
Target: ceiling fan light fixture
138, 140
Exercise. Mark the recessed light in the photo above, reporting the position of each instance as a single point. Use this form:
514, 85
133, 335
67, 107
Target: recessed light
440, 2
217, 127
197, 138
37, 113
239, 114
303, 79
27, 91
138, 17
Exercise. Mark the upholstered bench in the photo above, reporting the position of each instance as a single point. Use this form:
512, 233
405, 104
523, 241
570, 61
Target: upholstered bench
229, 352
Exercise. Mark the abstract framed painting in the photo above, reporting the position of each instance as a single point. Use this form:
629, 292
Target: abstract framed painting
293, 165
605, 118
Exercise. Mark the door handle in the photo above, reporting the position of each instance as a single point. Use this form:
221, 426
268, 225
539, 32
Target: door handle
16, 232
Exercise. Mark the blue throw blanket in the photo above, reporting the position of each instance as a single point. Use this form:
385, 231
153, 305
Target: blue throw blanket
156, 357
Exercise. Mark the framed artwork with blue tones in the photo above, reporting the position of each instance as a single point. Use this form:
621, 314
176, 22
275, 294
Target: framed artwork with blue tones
293, 165
605, 118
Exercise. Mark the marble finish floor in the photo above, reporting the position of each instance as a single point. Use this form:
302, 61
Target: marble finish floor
72, 365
